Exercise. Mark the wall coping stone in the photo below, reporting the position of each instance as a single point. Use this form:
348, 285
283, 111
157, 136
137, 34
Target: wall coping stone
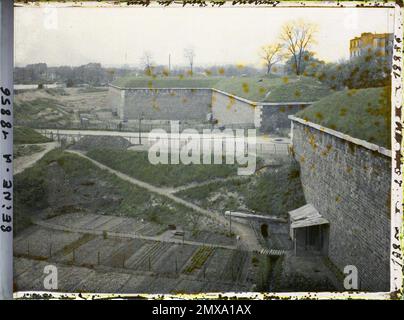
147, 88
264, 104
343, 136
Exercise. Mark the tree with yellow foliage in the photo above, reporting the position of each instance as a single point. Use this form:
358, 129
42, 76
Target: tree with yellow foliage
298, 36
271, 54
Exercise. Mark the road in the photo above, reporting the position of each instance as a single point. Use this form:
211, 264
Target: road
260, 139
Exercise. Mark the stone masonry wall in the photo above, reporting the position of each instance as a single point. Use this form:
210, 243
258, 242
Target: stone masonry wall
274, 118
167, 104
196, 104
115, 99
229, 109
350, 186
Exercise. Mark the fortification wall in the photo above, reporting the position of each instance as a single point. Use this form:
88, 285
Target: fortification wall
196, 104
230, 109
274, 116
348, 181
115, 99
168, 104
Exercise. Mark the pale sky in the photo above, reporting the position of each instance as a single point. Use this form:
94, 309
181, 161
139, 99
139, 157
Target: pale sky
225, 35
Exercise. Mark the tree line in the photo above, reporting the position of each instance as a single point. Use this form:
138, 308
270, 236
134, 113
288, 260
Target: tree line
294, 49
92, 73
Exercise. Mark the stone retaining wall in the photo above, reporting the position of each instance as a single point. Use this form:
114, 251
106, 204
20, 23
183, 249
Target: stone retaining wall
348, 182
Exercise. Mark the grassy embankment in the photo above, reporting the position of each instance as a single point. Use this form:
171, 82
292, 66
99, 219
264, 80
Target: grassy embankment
364, 114
62, 182
273, 192
40, 112
258, 88
25, 135
137, 165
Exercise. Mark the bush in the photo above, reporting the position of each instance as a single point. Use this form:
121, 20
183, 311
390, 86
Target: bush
367, 71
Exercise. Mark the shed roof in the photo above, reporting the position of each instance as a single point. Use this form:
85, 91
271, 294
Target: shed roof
306, 216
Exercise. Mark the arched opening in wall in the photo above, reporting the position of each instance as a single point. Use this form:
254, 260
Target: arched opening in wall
264, 230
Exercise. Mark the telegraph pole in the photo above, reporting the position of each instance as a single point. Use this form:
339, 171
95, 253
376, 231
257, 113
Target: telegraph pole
6, 148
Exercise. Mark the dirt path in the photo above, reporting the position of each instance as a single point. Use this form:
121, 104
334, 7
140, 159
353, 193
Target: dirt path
246, 234
22, 163
200, 184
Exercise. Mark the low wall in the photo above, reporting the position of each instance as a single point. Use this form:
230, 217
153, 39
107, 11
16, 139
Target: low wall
348, 181
163, 103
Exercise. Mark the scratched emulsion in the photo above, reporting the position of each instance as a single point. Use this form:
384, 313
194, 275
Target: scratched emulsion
340, 141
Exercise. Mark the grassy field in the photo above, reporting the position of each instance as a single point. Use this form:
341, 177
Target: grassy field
25, 135
363, 114
137, 165
303, 90
282, 89
273, 192
251, 88
61, 183
26, 150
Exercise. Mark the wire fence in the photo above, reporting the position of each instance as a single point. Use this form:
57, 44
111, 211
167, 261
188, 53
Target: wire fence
259, 148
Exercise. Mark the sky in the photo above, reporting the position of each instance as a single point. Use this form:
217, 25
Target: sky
225, 35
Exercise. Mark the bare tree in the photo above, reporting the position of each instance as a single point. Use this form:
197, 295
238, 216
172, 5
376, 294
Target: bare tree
147, 62
189, 54
297, 37
271, 54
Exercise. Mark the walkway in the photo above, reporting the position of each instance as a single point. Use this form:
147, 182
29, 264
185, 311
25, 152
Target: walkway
22, 163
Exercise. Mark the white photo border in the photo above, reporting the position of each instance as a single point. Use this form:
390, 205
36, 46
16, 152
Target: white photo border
397, 241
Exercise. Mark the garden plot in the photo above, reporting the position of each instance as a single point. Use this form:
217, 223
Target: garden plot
118, 258
97, 223
213, 286
157, 284
189, 286
136, 284
72, 220
104, 282
43, 242
21, 265
175, 259
69, 278
31, 279
197, 262
235, 270
147, 258
87, 221
94, 251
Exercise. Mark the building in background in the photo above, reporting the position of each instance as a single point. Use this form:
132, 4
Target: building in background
380, 43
